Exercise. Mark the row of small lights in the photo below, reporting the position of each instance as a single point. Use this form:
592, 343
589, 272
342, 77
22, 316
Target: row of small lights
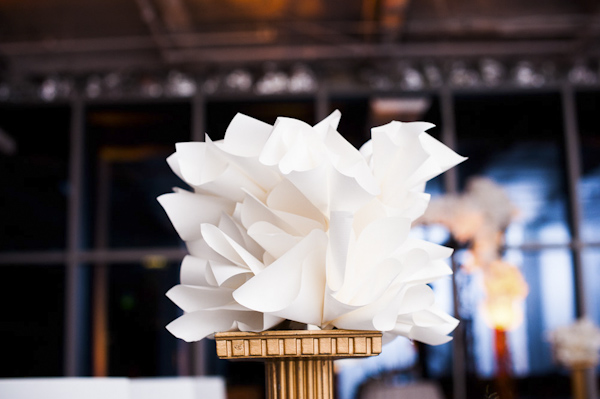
486, 72
302, 79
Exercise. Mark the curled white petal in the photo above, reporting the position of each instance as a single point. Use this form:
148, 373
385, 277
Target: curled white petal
192, 298
291, 287
245, 136
193, 271
274, 240
181, 207
229, 249
197, 325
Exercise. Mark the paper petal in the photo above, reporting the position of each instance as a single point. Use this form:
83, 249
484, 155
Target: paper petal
349, 161
379, 240
293, 146
254, 211
345, 193
200, 249
435, 251
181, 208
340, 237
239, 234
428, 336
397, 152
287, 198
228, 248
435, 271
332, 121
293, 284
416, 298
274, 240
332, 308
313, 186
197, 325
264, 176
224, 272
173, 162
190, 298
193, 271
197, 163
378, 281
245, 136
444, 156
233, 185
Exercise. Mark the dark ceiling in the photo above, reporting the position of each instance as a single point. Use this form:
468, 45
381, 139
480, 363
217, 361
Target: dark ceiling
82, 36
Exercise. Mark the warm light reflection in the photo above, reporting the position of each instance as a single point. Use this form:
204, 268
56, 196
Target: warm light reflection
506, 291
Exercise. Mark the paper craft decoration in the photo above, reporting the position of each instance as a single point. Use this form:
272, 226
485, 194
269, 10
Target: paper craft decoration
576, 345
291, 222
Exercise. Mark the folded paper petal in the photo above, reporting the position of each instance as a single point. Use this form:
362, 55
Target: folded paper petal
245, 136
287, 198
224, 273
191, 298
330, 122
274, 240
340, 239
291, 286
229, 249
202, 323
193, 271
181, 207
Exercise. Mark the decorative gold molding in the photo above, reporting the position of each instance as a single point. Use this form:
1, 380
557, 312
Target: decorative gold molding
298, 343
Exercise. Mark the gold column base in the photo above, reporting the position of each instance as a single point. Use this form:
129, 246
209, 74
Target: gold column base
289, 378
299, 363
578, 381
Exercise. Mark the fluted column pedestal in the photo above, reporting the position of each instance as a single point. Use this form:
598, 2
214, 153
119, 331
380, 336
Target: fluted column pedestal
299, 378
299, 364
578, 381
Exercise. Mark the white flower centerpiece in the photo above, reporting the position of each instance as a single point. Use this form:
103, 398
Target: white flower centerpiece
291, 222
576, 345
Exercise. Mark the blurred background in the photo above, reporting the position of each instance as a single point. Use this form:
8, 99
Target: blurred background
94, 95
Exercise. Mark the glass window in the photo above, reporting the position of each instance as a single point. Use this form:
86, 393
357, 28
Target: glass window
34, 154
588, 104
591, 282
127, 169
32, 322
138, 311
517, 141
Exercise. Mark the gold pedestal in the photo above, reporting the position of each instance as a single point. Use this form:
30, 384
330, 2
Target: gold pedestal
578, 381
299, 363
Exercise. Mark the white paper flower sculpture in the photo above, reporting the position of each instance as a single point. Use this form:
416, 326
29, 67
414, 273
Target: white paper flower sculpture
576, 345
291, 222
